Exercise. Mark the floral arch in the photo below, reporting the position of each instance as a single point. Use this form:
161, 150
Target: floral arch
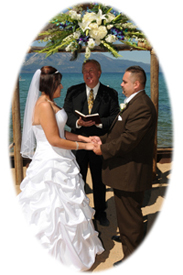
90, 25
86, 28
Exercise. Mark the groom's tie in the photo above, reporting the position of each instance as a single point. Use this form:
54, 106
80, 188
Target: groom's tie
90, 101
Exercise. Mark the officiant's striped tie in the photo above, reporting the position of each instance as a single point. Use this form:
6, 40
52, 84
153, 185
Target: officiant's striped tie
90, 101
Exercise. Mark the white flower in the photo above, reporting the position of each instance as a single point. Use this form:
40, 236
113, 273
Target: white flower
86, 21
87, 53
93, 26
91, 43
128, 25
84, 25
99, 16
123, 106
111, 38
109, 26
70, 47
67, 38
88, 17
76, 35
74, 15
67, 49
109, 17
98, 33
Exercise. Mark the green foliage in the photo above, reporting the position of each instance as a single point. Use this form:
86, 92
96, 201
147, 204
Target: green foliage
98, 24
111, 49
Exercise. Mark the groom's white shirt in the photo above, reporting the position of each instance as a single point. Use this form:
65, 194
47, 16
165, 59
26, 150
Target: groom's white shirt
127, 99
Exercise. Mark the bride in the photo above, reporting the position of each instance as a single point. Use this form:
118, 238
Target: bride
53, 198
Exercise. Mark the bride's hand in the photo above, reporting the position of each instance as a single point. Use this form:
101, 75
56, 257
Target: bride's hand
85, 139
89, 146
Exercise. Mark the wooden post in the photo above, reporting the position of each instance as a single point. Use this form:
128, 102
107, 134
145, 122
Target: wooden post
155, 100
18, 162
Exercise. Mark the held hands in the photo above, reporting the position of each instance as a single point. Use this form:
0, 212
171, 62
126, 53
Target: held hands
96, 142
92, 143
89, 146
85, 139
88, 142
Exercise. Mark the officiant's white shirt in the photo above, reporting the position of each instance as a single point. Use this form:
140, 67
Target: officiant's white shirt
95, 91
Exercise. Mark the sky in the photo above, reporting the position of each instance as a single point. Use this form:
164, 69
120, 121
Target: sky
139, 56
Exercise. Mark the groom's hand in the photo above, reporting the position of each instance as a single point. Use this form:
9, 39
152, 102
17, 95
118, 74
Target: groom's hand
96, 140
97, 149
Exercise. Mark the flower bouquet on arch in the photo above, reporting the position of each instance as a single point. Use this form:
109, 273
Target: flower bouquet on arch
90, 25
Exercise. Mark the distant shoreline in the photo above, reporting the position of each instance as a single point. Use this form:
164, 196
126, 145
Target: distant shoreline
80, 73
61, 61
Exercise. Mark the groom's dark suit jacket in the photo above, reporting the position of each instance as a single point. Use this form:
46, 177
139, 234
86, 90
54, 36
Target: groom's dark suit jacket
105, 103
127, 148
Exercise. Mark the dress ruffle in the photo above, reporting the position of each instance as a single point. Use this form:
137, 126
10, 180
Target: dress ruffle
58, 211
56, 207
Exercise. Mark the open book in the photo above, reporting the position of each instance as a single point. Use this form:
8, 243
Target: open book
93, 117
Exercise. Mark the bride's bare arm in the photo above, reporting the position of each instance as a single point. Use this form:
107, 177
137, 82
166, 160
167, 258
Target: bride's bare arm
49, 125
74, 137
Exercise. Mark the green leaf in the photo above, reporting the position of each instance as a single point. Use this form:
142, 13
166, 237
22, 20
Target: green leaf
111, 49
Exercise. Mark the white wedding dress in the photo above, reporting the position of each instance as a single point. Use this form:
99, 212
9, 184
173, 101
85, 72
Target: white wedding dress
55, 205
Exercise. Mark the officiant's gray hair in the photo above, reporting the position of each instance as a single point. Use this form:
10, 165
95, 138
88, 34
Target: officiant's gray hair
94, 62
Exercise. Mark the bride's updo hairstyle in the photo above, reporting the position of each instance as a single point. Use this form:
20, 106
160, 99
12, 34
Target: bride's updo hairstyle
49, 80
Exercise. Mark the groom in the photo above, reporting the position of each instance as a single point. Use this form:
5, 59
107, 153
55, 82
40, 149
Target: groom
127, 151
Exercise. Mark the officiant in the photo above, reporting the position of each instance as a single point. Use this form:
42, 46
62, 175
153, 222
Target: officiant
92, 97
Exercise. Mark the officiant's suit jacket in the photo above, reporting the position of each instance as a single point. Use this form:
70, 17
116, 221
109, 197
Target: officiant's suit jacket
127, 148
105, 103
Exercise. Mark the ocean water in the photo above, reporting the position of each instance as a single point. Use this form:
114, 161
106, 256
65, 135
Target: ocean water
165, 124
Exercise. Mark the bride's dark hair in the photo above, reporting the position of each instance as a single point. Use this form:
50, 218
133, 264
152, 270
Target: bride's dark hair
49, 80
